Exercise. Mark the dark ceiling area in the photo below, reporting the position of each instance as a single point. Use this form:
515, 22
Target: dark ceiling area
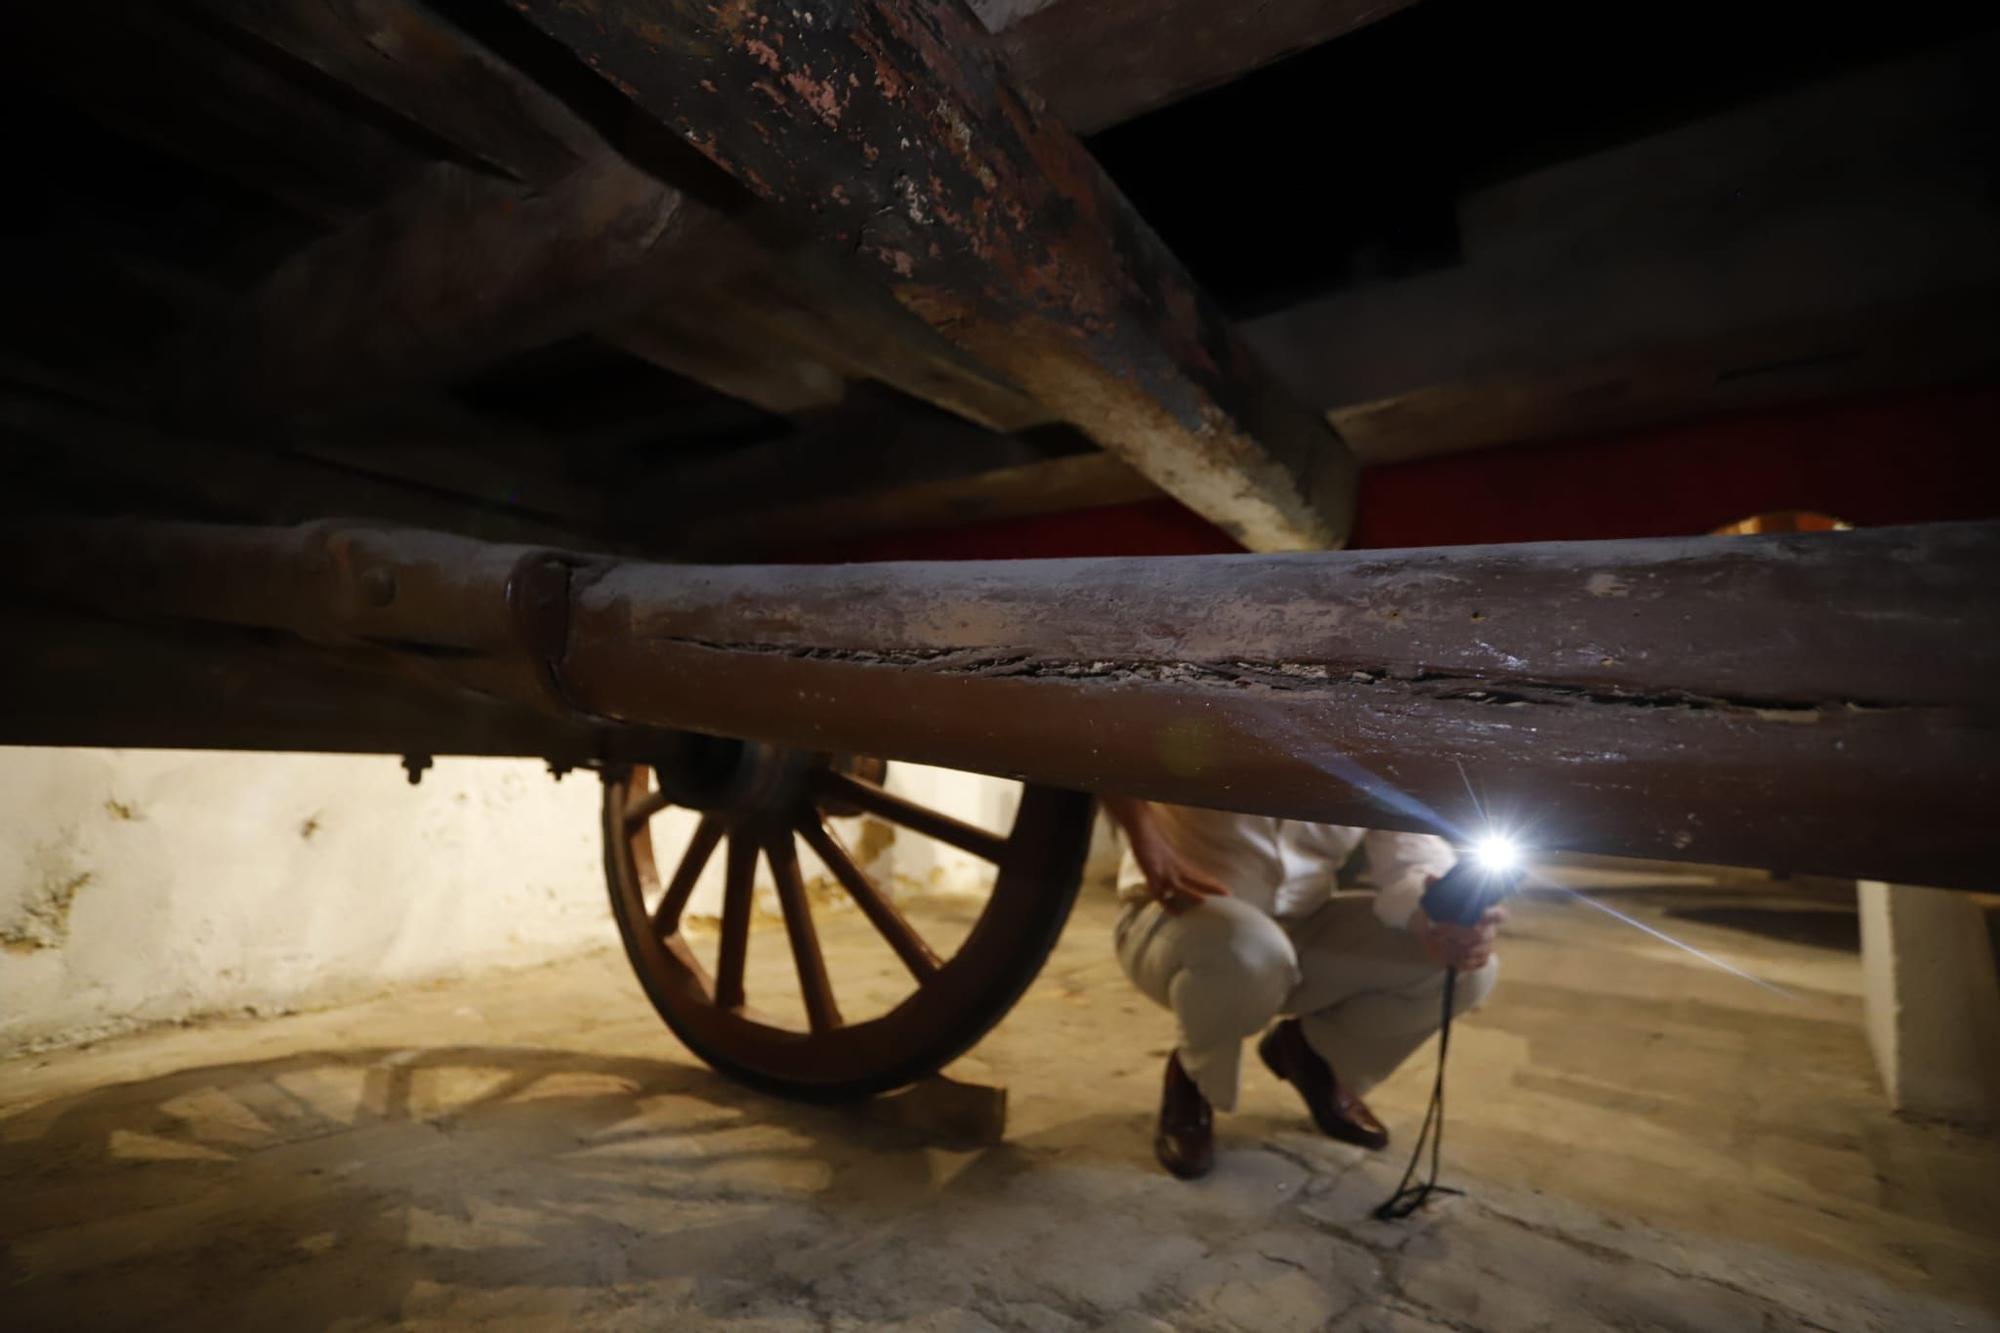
1344, 164
221, 201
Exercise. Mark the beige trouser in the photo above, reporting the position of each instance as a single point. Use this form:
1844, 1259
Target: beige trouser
1365, 993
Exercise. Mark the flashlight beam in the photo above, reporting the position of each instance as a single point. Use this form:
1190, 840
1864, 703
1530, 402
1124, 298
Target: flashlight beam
1543, 882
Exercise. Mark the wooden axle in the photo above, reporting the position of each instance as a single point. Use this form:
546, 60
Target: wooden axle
1817, 702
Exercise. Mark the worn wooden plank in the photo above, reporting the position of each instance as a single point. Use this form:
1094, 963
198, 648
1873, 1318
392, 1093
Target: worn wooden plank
891, 129
1098, 62
1821, 702
804, 301
1817, 702
733, 349
72, 680
437, 445
408, 59
418, 66
460, 270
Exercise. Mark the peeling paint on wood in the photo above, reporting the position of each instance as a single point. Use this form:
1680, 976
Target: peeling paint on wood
891, 129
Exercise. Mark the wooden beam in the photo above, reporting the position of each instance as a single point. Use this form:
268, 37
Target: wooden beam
1821, 702
1052, 486
1943, 340
407, 59
55, 457
459, 271
439, 446
890, 129
145, 71
871, 442
1098, 62
734, 349
805, 303
972, 494
417, 66
420, 68
871, 466
74, 680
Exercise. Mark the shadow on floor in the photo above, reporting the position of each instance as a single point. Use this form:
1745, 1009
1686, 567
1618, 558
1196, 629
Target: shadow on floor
423, 1174
1816, 927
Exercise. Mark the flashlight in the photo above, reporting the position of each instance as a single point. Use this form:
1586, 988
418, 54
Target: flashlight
1488, 871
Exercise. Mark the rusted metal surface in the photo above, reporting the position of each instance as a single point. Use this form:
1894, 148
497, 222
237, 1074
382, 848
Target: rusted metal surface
891, 129
1821, 702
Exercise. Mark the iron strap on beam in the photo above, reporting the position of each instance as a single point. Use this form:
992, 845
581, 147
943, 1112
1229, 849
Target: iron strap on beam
1815, 702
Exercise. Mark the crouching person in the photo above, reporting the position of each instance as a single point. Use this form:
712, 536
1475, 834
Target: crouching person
1237, 924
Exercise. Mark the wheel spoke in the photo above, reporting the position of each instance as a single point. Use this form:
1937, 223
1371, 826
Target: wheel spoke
736, 907
837, 787
821, 1011
667, 916
643, 809
909, 946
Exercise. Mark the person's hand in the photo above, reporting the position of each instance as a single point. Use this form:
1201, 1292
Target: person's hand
1461, 948
1173, 882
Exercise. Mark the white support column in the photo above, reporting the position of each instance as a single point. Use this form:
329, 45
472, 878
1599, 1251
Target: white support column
1932, 1001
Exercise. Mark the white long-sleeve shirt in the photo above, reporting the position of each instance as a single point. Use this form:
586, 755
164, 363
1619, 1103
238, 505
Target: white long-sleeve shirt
1288, 867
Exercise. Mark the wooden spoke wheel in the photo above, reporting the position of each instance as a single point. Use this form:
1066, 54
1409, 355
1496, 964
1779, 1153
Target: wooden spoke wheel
756, 801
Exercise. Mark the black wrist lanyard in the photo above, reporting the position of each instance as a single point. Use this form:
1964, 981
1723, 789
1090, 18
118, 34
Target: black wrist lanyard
1408, 1197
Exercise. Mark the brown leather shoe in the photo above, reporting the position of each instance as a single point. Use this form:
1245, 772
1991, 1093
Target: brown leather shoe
1185, 1142
1338, 1113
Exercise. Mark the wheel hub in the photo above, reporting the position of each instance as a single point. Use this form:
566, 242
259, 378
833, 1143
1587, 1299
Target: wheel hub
740, 782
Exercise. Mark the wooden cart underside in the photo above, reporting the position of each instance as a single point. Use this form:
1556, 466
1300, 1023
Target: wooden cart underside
654, 282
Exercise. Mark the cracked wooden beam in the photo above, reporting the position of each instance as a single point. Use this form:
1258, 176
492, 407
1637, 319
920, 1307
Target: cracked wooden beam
105, 682
458, 271
420, 68
1818, 702
891, 129
525, 155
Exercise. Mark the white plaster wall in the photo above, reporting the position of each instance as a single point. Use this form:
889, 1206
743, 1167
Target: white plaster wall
145, 886
138, 886
1932, 1001
1880, 1010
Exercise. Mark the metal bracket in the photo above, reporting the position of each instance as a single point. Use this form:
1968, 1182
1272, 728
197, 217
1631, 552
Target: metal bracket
538, 591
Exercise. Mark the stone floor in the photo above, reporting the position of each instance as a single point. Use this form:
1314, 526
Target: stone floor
1647, 1141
